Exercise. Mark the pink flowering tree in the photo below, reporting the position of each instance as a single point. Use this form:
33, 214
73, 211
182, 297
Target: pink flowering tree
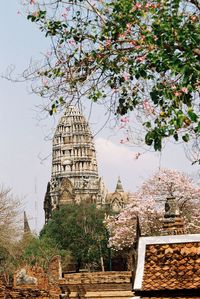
122, 228
132, 55
171, 183
148, 204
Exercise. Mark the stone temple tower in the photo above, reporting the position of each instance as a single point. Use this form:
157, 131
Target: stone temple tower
74, 176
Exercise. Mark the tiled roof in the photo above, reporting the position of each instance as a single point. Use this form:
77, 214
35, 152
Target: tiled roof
172, 266
170, 297
168, 263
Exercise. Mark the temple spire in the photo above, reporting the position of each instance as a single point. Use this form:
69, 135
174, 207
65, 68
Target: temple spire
119, 187
27, 229
74, 176
173, 223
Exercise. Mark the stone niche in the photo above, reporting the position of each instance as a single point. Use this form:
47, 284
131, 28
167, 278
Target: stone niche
22, 278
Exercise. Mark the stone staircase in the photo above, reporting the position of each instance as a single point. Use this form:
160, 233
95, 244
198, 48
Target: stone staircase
96, 285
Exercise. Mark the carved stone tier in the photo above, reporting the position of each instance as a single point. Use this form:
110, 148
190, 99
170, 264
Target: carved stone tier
74, 175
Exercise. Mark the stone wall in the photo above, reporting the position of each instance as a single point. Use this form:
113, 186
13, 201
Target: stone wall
35, 282
9, 291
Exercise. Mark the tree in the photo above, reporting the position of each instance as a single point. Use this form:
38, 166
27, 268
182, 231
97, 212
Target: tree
79, 228
10, 229
148, 203
122, 228
9, 218
140, 56
171, 183
33, 250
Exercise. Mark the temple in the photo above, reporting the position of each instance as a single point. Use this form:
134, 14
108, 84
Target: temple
74, 176
118, 199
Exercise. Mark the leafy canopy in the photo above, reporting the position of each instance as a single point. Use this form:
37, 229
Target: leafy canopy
79, 229
132, 55
40, 251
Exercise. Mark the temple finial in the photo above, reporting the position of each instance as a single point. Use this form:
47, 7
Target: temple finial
119, 187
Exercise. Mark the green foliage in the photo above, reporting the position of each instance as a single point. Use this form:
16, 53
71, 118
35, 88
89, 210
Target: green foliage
40, 251
4, 259
79, 228
130, 51
30, 250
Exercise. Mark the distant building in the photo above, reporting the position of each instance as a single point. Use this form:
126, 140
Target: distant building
74, 176
118, 199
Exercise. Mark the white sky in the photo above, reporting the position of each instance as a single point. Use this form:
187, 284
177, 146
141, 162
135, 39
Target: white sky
23, 135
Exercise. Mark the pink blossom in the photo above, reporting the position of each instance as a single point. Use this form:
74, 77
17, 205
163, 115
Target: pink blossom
193, 18
137, 47
133, 42
148, 5
138, 5
177, 93
184, 90
122, 35
123, 141
45, 82
126, 76
128, 30
108, 42
140, 58
137, 155
146, 105
48, 53
35, 13
124, 120
65, 15
72, 42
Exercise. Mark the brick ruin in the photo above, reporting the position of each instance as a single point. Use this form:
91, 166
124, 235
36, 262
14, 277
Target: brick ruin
35, 282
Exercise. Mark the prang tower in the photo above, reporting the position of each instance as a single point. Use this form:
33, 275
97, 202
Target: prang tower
74, 176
